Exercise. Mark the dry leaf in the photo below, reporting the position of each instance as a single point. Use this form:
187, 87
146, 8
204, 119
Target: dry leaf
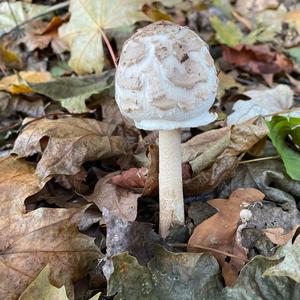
17, 84
261, 102
219, 231
69, 143
119, 201
259, 59
277, 235
133, 178
293, 18
219, 167
42, 289
40, 34
84, 31
29, 241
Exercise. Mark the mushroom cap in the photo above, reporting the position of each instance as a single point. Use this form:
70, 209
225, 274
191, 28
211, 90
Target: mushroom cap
166, 78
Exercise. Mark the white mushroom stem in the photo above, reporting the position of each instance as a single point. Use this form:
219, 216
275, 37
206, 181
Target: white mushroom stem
171, 204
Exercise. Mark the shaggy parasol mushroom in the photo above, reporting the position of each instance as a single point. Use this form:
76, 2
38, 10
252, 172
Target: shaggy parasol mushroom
166, 80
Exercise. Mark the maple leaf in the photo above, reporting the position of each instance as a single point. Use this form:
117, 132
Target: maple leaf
86, 28
30, 241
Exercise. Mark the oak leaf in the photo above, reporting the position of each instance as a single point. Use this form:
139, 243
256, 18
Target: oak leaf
65, 144
30, 241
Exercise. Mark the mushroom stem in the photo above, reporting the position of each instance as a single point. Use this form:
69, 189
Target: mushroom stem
171, 204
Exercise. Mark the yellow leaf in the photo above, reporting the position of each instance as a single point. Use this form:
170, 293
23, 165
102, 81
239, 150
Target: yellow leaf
85, 29
17, 84
42, 289
9, 58
293, 18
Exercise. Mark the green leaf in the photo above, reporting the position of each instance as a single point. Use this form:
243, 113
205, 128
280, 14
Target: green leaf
295, 54
281, 128
227, 33
167, 276
73, 91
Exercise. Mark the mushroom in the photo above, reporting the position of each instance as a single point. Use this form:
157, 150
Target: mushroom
166, 80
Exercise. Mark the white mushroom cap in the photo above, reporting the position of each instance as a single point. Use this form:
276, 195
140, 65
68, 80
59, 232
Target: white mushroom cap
166, 78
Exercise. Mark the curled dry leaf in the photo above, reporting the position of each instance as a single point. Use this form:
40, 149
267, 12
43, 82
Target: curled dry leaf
214, 155
261, 102
258, 59
40, 34
219, 231
69, 143
119, 201
29, 241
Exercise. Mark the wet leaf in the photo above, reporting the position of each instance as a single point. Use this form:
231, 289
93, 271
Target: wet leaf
261, 102
72, 92
69, 143
41, 288
29, 241
290, 265
166, 276
119, 201
282, 128
252, 284
84, 31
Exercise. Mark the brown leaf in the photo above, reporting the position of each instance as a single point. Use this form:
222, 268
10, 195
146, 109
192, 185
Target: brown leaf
219, 231
277, 235
133, 178
218, 167
40, 34
29, 241
258, 59
119, 201
69, 143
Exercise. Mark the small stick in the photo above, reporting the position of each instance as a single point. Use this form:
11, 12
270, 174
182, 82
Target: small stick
210, 249
110, 49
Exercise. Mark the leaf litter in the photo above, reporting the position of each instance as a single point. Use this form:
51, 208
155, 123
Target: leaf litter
78, 179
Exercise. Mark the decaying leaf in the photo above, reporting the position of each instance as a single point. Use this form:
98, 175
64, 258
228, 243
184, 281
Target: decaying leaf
85, 29
41, 288
68, 143
290, 265
166, 276
119, 201
219, 231
29, 241
9, 58
258, 59
18, 84
282, 128
72, 92
227, 82
220, 165
261, 102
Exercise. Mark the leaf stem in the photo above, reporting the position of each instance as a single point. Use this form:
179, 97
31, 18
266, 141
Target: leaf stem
210, 249
109, 47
